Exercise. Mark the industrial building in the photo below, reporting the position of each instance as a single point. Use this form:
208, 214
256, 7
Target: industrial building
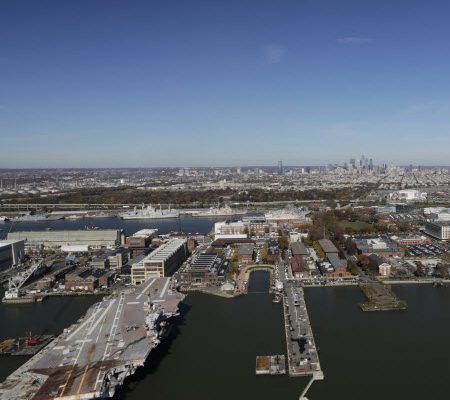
438, 230
163, 261
80, 280
100, 262
408, 195
328, 246
95, 238
11, 253
382, 247
204, 270
118, 257
140, 241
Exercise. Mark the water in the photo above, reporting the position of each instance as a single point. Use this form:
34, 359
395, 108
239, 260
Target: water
381, 355
211, 352
214, 352
49, 317
184, 223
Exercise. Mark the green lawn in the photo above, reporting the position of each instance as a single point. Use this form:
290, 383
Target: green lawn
356, 225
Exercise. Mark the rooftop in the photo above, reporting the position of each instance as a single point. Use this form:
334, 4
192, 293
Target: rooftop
298, 248
246, 249
328, 246
145, 233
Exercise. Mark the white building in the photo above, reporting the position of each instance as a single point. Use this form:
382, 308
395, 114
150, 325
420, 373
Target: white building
408, 195
384, 269
230, 230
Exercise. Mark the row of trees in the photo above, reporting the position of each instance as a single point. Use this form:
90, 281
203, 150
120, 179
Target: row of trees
124, 195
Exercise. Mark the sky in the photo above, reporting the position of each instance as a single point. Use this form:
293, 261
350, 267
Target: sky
89, 83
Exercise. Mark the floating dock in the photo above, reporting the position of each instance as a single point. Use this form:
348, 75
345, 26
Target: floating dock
271, 365
91, 358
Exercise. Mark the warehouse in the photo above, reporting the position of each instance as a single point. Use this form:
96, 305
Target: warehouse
11, 253
205, 270
328, 246
55, 239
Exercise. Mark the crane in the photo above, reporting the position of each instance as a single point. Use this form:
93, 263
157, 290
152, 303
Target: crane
18, 280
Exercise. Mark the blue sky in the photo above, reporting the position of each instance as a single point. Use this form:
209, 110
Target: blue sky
90, 83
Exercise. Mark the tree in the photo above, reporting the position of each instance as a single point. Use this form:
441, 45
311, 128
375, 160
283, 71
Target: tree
264, 252
350, 246
283, 242
363, 261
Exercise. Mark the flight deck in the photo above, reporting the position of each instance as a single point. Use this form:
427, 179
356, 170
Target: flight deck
91, 358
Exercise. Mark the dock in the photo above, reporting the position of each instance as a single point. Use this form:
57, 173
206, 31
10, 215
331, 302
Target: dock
380, 298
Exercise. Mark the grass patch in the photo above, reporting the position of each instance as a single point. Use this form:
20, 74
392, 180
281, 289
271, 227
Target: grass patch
356, 225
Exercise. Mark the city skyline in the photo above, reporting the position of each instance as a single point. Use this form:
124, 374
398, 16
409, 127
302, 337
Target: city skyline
152, 84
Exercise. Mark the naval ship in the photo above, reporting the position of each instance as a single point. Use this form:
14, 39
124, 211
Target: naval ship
217, 212
31, 217
92, 358
150, 212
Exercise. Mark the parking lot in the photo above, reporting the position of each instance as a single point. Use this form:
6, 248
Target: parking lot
427, 250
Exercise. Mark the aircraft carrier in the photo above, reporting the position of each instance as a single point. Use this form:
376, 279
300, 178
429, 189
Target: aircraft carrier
91, 358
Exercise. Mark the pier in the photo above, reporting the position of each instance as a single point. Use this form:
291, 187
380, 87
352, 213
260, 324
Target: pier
380, 298
302, 356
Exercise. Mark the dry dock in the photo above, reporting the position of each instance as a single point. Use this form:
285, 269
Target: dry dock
92, 358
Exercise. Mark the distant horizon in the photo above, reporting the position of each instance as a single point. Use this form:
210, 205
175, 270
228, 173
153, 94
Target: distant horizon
221, 167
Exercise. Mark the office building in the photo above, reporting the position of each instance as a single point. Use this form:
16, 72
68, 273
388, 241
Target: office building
438, 230
163, 261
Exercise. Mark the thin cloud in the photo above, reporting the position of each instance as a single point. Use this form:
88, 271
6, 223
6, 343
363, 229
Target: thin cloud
354, 40
274, 53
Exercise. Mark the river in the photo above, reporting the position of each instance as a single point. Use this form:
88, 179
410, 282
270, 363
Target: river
184, 223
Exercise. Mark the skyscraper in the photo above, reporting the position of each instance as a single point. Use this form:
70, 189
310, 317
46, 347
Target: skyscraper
280, 168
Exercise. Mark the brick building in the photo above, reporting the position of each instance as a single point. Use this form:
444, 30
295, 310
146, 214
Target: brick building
245, 254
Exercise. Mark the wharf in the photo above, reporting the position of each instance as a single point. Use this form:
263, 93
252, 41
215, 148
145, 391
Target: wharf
91, 358
26, 299
380, 298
